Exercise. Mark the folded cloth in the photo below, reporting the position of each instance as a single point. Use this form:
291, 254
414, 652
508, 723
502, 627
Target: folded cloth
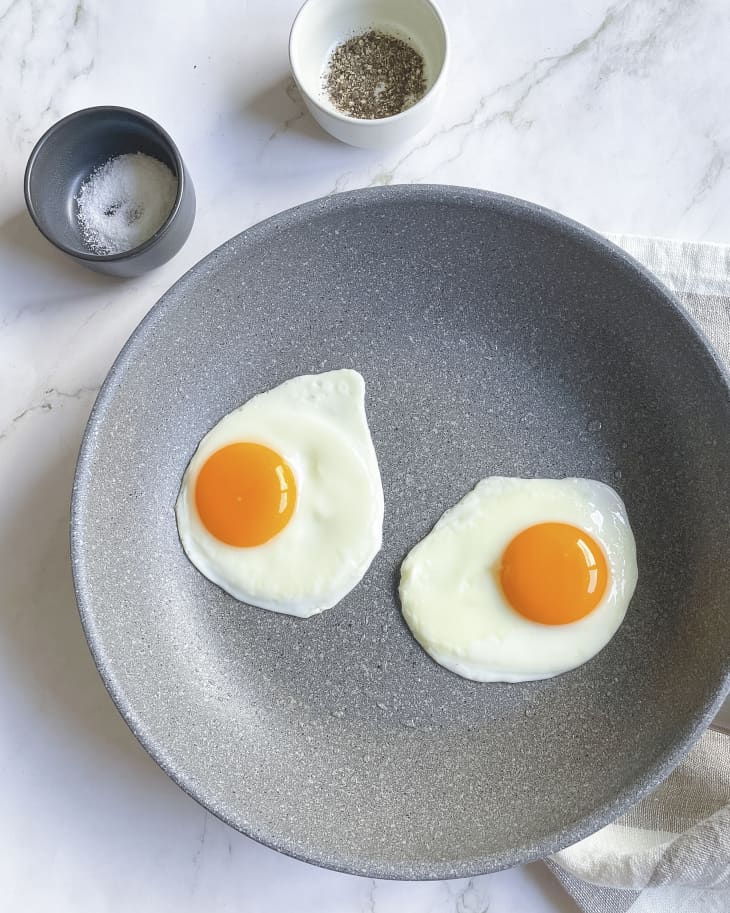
671, 852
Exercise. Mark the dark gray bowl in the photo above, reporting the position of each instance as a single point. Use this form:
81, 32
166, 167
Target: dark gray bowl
63, 159
495, 338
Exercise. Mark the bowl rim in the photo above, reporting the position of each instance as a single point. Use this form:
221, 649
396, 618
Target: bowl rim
371, 123
62, 124
666, 759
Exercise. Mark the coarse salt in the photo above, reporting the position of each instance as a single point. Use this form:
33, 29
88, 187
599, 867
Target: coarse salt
123, 202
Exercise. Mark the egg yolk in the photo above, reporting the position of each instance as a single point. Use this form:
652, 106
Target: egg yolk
553, 573
245, 494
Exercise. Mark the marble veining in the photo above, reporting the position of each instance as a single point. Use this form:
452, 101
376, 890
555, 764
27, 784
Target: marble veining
614, 113
50, 46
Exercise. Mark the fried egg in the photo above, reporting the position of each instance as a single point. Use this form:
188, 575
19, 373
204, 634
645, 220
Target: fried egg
522, 579
282, 504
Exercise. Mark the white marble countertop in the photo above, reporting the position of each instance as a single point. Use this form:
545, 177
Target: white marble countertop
612, 112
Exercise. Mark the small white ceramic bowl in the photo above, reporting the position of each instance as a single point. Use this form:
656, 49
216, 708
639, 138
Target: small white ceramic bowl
321, 25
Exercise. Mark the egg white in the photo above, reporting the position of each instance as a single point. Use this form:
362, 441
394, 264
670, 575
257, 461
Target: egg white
317, 423
452, 599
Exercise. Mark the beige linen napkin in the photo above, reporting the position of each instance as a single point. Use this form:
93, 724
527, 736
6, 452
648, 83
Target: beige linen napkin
671, 852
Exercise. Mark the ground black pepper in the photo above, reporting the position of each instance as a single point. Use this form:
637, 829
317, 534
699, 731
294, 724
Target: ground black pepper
374, 75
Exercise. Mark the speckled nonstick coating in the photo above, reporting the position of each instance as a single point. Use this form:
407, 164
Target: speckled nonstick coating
495, 338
